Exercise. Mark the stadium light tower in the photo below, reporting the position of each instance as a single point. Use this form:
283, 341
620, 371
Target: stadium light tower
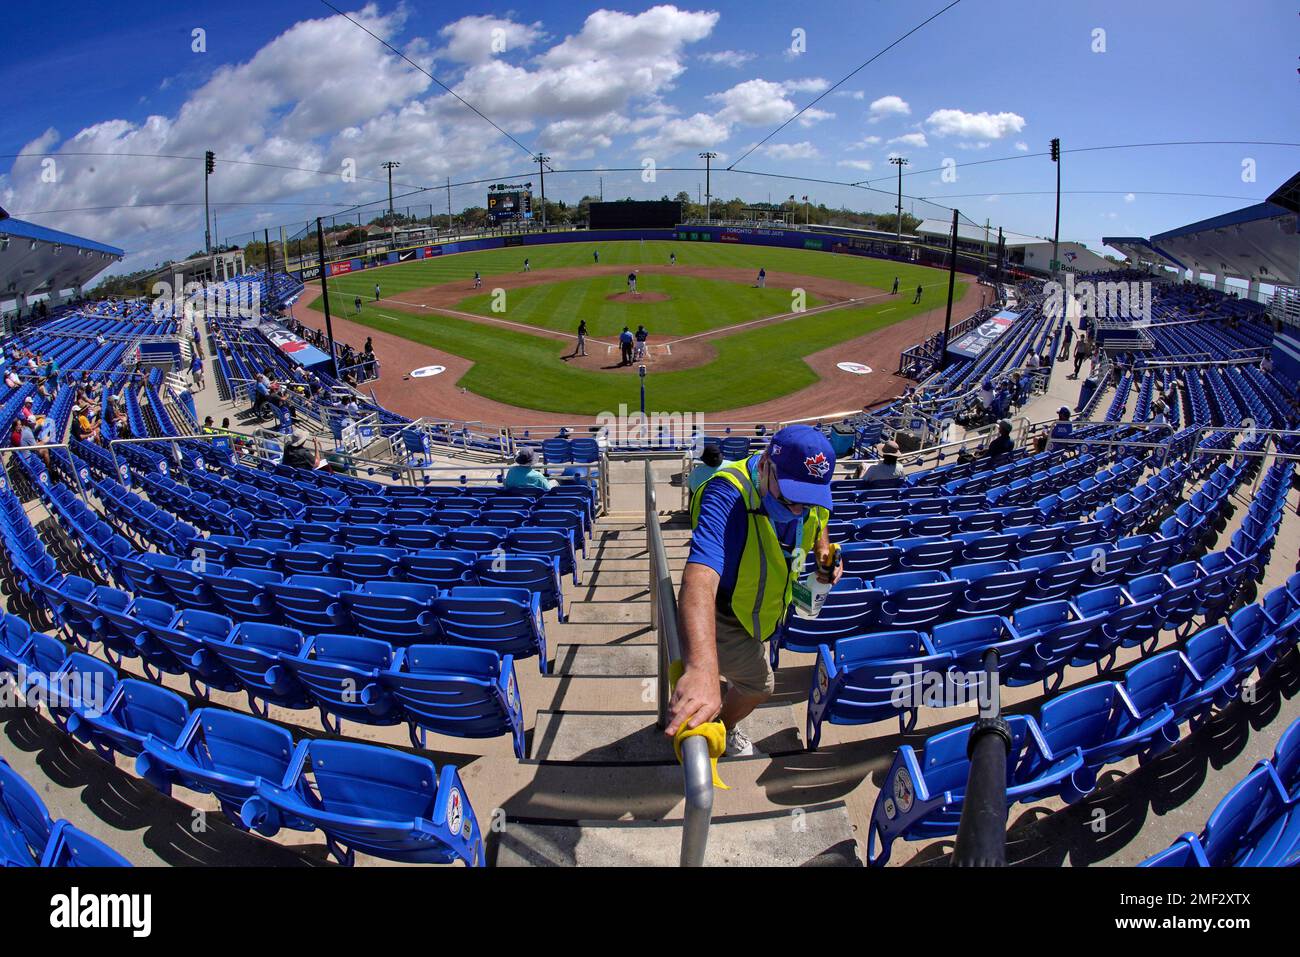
900, 162
1056, 232
392, 228
542, 160
708, 158
209, 164
806, 220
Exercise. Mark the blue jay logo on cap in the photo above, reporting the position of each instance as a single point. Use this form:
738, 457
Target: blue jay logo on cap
817, 465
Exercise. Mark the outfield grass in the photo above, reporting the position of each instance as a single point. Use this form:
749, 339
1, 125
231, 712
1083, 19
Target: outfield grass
694, 305
522, 369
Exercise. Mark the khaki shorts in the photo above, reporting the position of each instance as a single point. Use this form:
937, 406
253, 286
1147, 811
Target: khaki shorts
742, 659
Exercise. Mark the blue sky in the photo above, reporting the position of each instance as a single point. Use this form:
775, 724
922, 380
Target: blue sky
289, 84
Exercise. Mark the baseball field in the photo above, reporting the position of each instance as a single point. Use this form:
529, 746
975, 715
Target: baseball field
717, 340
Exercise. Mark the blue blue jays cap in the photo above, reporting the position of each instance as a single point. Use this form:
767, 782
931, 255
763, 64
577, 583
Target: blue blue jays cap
804, 463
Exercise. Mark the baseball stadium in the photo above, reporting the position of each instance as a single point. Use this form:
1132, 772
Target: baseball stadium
626, 437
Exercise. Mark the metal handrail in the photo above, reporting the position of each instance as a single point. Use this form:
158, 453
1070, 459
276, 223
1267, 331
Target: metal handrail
696, 766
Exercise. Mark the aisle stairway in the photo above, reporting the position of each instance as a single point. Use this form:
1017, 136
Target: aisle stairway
607, 789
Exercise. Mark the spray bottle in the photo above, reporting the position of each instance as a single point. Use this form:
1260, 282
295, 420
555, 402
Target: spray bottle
810, 593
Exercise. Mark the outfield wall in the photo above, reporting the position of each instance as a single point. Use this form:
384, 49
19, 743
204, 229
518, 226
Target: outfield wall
743, 235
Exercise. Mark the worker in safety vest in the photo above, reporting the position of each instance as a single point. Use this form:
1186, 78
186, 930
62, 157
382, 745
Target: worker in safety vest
755, 521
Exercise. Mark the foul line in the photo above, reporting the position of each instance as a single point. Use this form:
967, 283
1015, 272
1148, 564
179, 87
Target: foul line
781, 317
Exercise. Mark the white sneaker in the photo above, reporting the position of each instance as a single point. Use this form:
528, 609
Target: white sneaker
739, 745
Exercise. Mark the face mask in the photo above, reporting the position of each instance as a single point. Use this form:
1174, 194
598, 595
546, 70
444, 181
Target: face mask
777, 511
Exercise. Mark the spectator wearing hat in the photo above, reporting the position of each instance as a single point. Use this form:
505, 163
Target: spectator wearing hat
710, 462
525, 474
887, 469
753, 521
1063, 429
298, 455
1001, 444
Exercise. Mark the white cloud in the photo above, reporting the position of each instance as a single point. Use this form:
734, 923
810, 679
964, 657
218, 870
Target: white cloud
864, 165
792, 151
813, 115
728, 58
697, 132
887, 106
914, 140
1022, 146
1129, 198
865, 142
983, 126
471, 39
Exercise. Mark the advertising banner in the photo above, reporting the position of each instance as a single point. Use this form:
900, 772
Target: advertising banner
973, 344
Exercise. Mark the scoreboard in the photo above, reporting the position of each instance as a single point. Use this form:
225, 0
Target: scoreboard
510, 206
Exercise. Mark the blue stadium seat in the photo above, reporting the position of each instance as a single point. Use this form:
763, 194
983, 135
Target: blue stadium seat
312, 603
220, 752
253, 652
136, 710
71, 847
505, 620
399, 612
341, 674
445, 568
463, 692
537, 573
371, 799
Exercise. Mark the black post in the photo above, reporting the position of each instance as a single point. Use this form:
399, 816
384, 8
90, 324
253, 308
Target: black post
982, 833
541, 166
325, 295
266, 244
1056, 231
952, 281
1001, 252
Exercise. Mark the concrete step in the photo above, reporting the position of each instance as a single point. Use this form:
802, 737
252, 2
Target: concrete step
823, 837
631, 659
601, 633
631, 576
605, 565
621, 737
638, 551
574, 594
608, 612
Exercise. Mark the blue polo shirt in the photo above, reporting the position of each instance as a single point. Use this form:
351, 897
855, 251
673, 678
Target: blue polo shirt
720, 535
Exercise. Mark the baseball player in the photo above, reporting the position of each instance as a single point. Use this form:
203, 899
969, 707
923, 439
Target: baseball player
528, 267
478, 281
672, 259
762, 278
631, 282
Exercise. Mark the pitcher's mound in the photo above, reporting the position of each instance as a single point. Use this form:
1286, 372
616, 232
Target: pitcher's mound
639, 297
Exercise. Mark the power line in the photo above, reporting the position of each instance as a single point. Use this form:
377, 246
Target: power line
844, 80
479, 112
1096, 192
1096, 149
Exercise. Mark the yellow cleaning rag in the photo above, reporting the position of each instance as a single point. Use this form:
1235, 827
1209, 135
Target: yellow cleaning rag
714, 732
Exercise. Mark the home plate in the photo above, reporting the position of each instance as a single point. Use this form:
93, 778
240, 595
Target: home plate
857, 368
426, 371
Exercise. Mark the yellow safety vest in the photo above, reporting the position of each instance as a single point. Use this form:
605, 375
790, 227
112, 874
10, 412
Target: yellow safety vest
766, 576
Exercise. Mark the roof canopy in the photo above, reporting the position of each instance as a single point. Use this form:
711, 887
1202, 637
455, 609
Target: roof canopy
36, 259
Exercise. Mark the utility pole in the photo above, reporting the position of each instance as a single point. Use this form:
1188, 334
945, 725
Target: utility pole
448, 204
806, 220
325, 295
952, 281
1056, 231
900, 162
266, 241
542, 160
392, 227
708, 158
209, 164
1001, 252
602, 189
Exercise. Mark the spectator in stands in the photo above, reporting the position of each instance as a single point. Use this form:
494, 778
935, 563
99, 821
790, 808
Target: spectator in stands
1082, 350
298, 455
525, 474
46, 432
196, 370
887, 469
261, 397
749, 516
16, 434
986, 396
12, 379
710, 462
1065, 343
1266, 365
1001, 444
368, 360
1063, 428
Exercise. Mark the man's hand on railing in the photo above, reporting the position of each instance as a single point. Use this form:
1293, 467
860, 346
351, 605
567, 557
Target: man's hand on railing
696, 699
